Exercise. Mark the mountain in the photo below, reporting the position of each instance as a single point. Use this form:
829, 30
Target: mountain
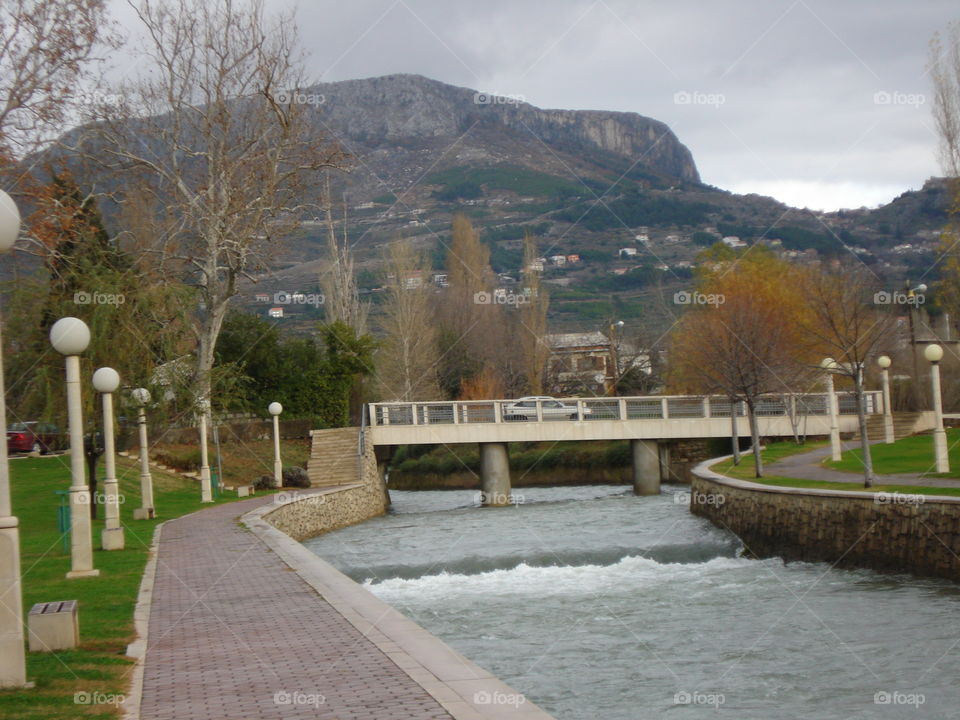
617, 190
422, 122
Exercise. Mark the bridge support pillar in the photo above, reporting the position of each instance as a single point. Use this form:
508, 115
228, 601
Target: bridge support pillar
646, 467
495, 474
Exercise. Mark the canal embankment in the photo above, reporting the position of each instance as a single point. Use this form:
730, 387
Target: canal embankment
887, 531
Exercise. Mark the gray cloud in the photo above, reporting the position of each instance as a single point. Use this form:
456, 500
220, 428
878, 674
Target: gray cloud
786, 98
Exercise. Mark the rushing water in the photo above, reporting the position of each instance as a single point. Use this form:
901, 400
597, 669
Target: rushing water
598, 604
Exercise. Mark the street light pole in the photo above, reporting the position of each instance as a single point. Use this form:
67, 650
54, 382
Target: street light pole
275, 410
205, 492
70, 336
146, 510
829, 364
911, 306
888, 435
934, 354
614, 360
13, 669
106, 381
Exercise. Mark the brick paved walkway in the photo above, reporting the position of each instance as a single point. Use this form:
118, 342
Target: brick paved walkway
235, 634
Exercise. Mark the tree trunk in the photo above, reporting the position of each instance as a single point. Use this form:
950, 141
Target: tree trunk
864, 437
791, 403
755, 439
735, 435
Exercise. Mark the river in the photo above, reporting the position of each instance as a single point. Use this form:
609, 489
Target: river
597, 604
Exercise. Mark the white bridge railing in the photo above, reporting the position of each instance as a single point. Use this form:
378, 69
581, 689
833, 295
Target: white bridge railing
658, 407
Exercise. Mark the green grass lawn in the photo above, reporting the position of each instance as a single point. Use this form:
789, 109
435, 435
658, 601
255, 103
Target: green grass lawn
776, 451
912, 454
106, 603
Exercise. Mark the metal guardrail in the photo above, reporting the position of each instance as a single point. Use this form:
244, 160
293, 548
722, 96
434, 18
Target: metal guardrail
656, 407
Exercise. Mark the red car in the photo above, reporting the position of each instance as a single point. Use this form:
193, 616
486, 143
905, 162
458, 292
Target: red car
26, 437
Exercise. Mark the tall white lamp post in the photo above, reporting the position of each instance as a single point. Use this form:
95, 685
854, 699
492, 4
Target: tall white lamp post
13, 670
275, 409
884, 362
829, 364
205, 490
70, 336
934, 354
141, 396
106, 381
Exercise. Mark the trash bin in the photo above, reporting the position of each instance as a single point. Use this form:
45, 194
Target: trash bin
63, 517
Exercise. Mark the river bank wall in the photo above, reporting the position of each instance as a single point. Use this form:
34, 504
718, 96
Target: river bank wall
891, 532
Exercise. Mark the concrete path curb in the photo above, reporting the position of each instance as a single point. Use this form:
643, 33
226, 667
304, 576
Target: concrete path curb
141, 623
464, 689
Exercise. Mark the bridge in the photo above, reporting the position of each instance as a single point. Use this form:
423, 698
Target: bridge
650, 423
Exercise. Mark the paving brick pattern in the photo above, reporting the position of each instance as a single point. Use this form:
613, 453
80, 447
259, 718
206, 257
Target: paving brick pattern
235, 634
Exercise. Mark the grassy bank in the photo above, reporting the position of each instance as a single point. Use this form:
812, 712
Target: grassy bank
106, 603
912, 454
426, 467
243, 462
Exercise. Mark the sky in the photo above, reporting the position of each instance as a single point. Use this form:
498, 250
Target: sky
818, 104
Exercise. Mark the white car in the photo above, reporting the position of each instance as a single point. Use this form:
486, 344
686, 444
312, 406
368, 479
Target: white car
525, 408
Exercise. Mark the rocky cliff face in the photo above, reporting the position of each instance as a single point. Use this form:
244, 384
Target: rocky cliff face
413, 111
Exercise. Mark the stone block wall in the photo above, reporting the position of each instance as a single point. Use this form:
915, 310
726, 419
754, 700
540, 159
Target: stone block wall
887, 532
685, 455
314, 514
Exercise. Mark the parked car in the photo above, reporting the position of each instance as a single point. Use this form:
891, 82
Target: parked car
525, 408
34, 436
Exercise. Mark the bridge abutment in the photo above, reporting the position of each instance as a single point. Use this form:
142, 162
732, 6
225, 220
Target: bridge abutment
646, 467
495, 474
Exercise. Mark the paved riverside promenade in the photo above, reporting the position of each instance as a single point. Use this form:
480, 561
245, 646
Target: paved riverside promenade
807, 466
236, 633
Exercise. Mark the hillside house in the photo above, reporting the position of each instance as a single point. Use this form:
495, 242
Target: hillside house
583, 363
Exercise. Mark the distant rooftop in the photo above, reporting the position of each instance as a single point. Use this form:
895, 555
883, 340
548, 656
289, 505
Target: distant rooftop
560, 341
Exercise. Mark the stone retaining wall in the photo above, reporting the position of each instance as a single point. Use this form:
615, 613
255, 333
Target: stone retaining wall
889, 532
685, 455
314, 514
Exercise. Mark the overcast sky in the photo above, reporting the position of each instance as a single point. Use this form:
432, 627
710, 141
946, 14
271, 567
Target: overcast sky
819, 104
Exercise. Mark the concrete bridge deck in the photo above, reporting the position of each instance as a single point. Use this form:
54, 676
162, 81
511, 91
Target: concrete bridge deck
237, 630
650, 423
660, 417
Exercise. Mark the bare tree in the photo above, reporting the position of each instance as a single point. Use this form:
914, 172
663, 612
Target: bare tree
408, 370
468, 316
533, 320
341, 294
945, 72
844, 324
216, 133
45, 46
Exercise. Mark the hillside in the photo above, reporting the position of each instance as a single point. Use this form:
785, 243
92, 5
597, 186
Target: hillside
616, 190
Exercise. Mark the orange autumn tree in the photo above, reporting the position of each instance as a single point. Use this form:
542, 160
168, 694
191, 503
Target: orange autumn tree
740, 337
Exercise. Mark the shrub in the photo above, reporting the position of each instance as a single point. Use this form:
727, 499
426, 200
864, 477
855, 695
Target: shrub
296, 477
264, 482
